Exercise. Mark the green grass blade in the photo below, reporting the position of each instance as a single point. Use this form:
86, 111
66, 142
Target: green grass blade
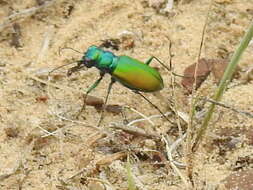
224, 82
130, 179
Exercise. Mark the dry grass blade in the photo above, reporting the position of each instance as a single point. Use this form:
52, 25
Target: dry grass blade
172, 162
248, 114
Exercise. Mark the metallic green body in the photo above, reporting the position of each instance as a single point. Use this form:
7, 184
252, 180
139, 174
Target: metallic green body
137, 75
130, 72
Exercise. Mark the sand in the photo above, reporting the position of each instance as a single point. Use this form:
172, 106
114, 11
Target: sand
44, 146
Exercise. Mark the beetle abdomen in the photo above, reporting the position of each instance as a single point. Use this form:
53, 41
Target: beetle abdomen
137, 75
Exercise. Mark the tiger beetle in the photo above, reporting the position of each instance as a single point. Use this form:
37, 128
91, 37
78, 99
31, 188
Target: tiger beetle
131, 73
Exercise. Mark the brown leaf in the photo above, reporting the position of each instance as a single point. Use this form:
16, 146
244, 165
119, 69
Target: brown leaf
201, 74
218, 67
98, 104
94, 101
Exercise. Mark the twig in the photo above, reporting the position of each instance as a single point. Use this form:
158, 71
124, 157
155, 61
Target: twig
23, 14
133, 130
172, 148
229, 107
173, 163
147, 118
47, 38
141, 114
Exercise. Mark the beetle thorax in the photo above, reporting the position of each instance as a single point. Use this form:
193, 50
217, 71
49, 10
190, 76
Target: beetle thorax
103, 60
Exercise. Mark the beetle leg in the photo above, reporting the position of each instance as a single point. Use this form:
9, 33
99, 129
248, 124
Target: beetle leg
104, 106
92, 87
149, 60
137, 92
153, 57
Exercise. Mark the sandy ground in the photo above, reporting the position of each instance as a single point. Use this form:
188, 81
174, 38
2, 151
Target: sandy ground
43, 145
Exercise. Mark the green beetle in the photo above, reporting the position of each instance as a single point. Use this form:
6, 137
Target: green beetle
131, 73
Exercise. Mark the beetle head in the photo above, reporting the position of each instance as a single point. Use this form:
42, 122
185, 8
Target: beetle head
89, 60
91, 56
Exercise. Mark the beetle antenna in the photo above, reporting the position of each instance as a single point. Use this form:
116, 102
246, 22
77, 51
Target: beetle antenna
64, 48
50, 72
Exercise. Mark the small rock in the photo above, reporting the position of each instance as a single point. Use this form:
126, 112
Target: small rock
2, 64
156, 4
150, 144
93, 185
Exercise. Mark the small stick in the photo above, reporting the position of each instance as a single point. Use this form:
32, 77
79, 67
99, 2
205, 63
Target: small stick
141, 114
47, 38
172, 148
133, 130
173, 164
150, 117
229, 107
23, 14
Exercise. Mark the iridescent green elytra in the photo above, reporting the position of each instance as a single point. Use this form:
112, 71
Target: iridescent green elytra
137, 75
131, 73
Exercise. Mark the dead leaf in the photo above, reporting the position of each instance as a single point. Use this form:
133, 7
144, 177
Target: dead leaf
201, 74
98, 104
218, 67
